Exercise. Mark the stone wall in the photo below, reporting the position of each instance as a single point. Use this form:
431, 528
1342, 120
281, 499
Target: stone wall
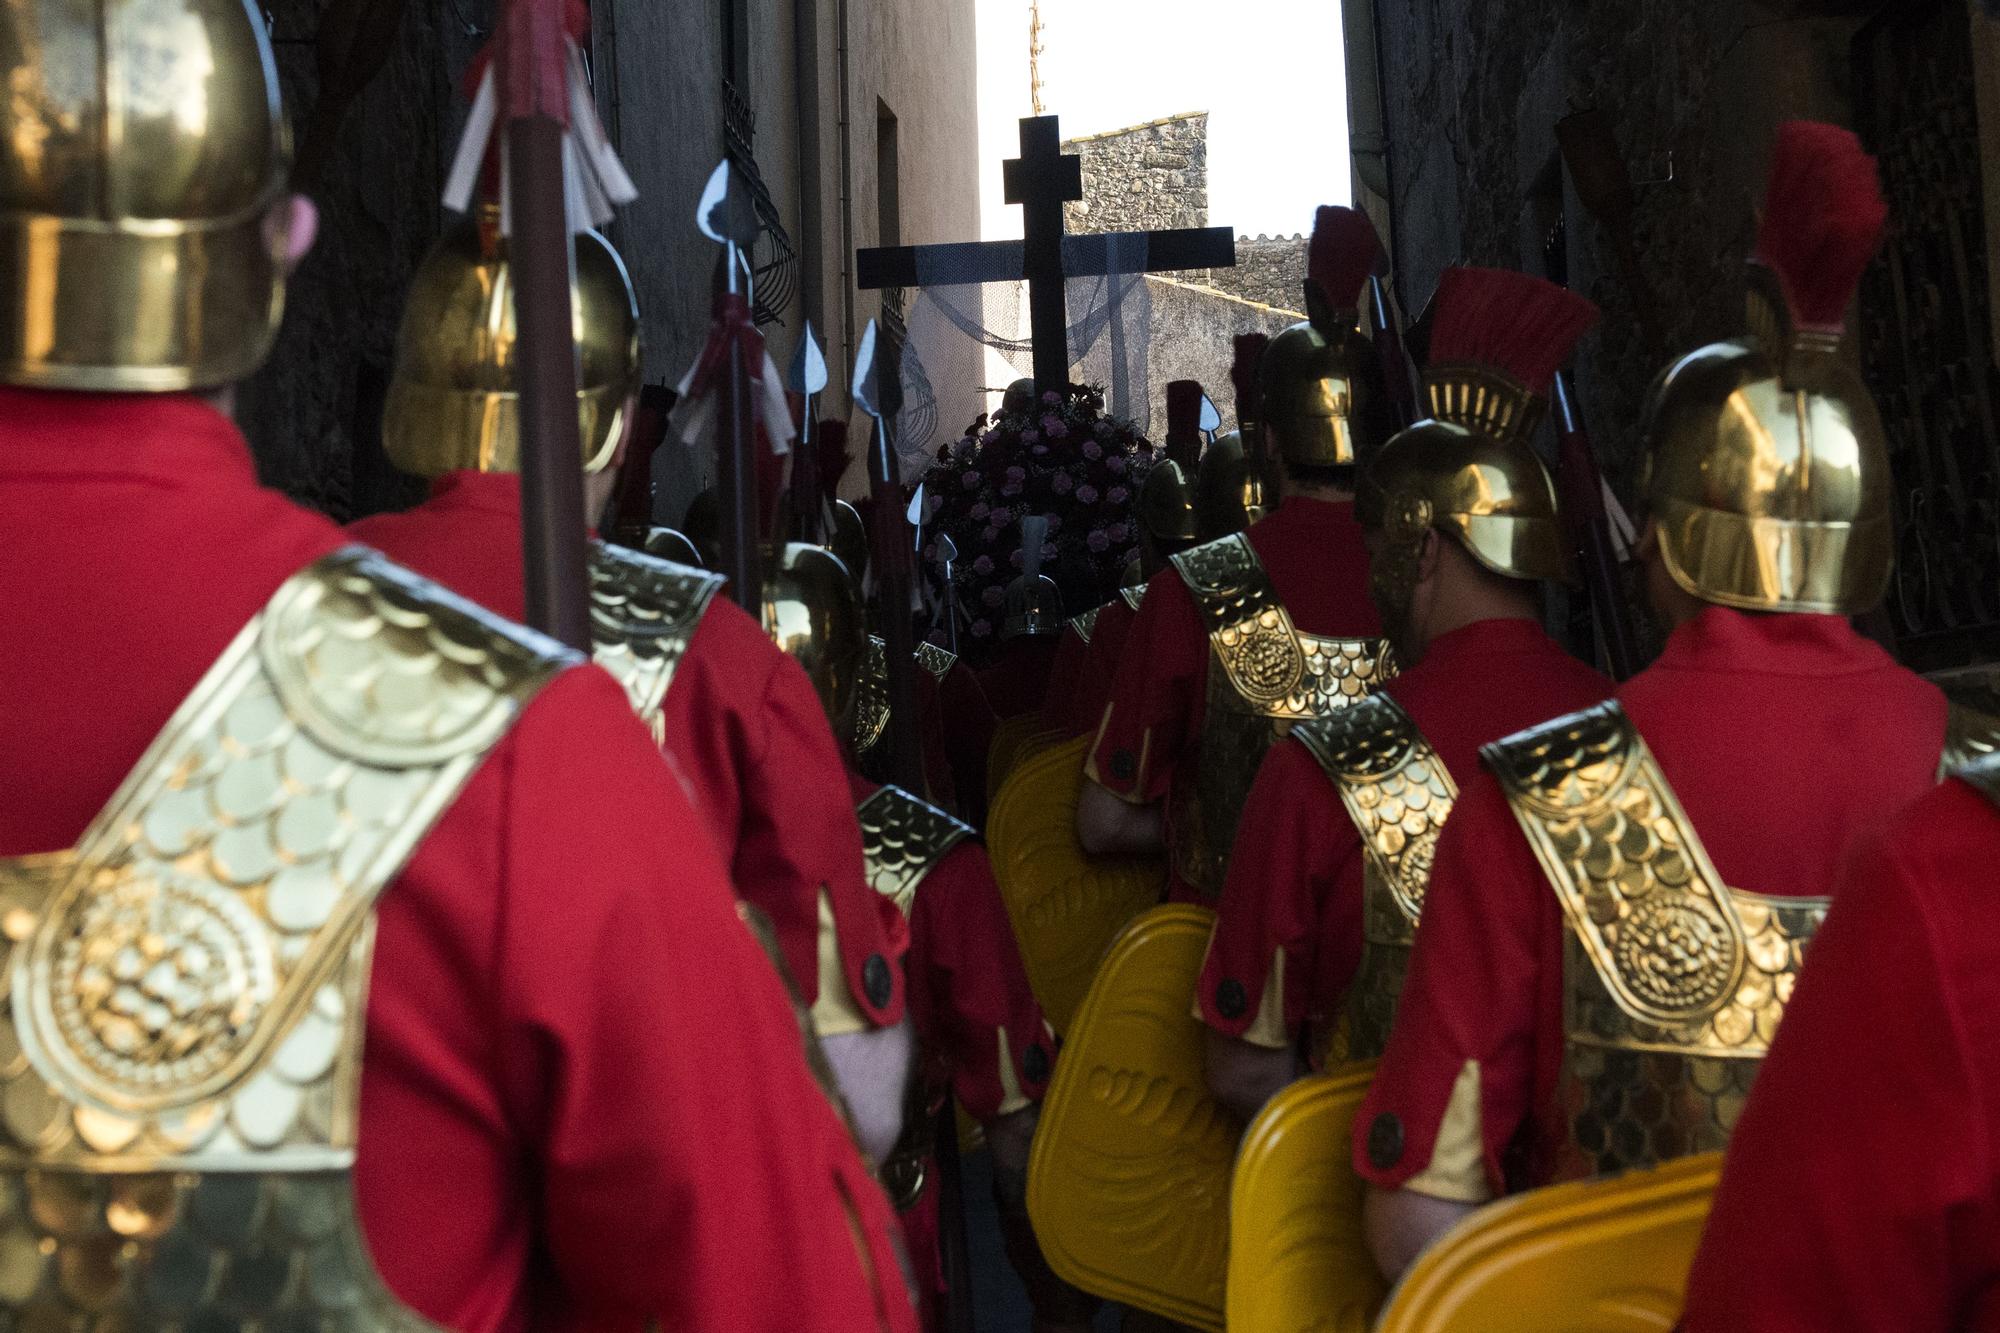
1194, 331
1270, 270
1144, 178
1693, 91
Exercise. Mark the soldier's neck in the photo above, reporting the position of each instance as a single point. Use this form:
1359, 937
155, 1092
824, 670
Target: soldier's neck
1295, 490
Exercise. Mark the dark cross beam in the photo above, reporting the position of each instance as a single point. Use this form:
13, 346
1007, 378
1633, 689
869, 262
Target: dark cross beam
1041, 180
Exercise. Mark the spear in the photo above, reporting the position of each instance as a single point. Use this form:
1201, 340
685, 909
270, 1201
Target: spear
558, 175
727, 217
807, 378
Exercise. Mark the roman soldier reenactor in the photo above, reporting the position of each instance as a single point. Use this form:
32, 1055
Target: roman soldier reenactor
1328, 873
1622, 897
1252, 632
741, 720
1860, 1191
279, 794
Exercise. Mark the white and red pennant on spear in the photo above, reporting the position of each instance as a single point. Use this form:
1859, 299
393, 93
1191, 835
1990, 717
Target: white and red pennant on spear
558, 175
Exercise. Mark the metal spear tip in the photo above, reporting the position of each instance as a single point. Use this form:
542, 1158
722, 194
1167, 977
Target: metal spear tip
808, 373
726, 214
867, 390
947, 549
1211, 418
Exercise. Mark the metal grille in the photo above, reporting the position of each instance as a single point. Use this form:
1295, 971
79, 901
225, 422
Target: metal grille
1927, 333
774, 263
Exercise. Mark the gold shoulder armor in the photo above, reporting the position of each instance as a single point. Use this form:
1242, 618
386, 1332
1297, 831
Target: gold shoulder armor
938, 661
1983, 776
903, 839
1133, 596
1276, 670
871, 696
643, 614
1394, 786
1086, 624
1635, 882
187, 992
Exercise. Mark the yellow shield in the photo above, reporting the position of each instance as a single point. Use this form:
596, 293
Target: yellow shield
1066, 907
1129, 1183
1610, 1255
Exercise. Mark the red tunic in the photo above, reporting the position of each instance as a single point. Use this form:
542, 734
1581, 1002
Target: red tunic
1018, 680
569, 1073
1862, 1188
741, 717
1294, 881
1080, 682
1786, 738
980, 1027
1149, 739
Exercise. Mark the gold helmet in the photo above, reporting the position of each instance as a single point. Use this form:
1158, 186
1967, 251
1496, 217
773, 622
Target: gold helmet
1319, 383
1766, 473
146, 149
454, 402
665, 543
1469, 470
811, 611
1166, 507
1230, 493
849, 541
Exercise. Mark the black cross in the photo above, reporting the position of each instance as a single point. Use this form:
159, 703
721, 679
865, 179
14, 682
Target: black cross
1041, 180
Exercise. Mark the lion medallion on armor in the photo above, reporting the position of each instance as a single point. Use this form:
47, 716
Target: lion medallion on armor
643, 614
180, 1095
1398, 793
902, 840
1673, 983
1265, 676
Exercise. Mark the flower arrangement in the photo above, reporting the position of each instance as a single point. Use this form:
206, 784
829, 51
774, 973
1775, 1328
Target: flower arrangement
1061, 456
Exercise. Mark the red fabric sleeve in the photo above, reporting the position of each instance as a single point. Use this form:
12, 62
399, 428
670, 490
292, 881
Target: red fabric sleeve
576, 1025
747, 727
1155, 710
1066, 681
967, 986
1860, 1188
1485, 985
1294, 885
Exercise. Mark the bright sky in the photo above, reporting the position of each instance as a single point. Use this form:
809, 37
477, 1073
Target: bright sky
1268, 72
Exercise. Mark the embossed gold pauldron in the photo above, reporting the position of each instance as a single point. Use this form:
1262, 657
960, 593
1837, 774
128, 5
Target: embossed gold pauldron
187, 989
902, 840
643, 615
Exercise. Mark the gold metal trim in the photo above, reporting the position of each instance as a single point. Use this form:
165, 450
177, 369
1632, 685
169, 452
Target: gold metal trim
902, 840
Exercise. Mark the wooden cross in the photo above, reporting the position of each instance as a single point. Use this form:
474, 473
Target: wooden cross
1041, 180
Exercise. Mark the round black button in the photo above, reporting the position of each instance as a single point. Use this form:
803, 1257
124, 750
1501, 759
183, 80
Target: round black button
1385, 1141
1231, 999
876, 981
1123, 766
1035, 1064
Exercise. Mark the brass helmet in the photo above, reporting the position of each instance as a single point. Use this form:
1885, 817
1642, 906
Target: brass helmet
665, 543
1166, 507
1230, 492
1469, 469
1767, 472
1319, 382
144, 152
454, 401
849, 541
811, 611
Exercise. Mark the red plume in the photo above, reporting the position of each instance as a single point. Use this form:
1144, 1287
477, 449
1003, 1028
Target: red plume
1823, 220
1521, 326
1343, 252
1243, 374
830, 438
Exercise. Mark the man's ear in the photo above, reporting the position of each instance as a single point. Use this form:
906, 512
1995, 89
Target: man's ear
293, 226
1429, 554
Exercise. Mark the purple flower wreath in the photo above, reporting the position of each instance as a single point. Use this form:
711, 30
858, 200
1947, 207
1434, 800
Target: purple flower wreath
1060, 456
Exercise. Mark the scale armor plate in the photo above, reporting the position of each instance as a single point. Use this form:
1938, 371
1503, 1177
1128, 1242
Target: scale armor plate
871, 697
643, 615
180, 1097
1398, 793
938, 661
1264, 678
1673, 983
1133, 596
1085, 625
902, 840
